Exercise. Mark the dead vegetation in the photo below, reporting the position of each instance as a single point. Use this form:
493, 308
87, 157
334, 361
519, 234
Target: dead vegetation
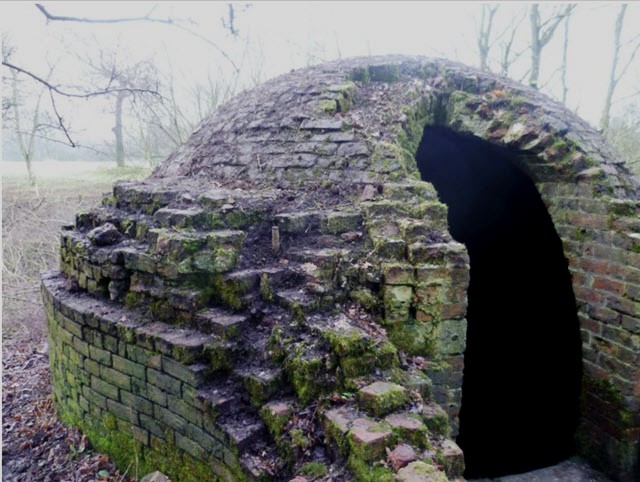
36, 445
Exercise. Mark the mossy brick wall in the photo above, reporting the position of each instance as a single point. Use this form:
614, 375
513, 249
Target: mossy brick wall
133, 401
348, 131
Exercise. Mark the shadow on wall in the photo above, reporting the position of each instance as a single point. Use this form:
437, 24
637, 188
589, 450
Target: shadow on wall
523, 367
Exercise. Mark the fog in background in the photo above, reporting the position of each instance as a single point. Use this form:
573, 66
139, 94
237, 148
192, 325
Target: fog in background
189, 57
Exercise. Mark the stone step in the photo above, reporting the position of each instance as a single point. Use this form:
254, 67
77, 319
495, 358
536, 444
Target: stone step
259, 465
221, 395
297, 299
195, 252
318, 221
261, 382
242, 430
183, 345
261, 279
140, 195
222, 323
190, 217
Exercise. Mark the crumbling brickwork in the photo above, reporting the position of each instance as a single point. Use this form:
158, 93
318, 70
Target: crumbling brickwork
284, 290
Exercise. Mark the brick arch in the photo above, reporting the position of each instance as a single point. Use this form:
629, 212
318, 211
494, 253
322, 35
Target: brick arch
593, 202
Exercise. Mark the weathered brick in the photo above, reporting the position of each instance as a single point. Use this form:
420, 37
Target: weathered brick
144, 357
179, 407
380, 398
152, 425
194, 375
106, 389
609, 285
163, 381
189, 446
170, 419
116, 378
398, 274
140, 387
123, 412
94, 397
80, 346
140, 435
136, 403
130, 368
72, 327
101, 356
206, 441
110, 343
370, 438
157, 395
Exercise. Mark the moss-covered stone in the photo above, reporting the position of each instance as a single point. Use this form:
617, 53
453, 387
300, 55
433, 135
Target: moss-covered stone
314, 470
380, 398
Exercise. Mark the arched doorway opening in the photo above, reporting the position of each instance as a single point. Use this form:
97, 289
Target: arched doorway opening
522, 365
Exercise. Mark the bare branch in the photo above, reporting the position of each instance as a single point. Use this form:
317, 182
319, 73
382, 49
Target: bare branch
62, 18
60, 119
146, 18
57, 90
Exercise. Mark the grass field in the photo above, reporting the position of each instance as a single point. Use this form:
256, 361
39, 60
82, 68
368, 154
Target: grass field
31, 220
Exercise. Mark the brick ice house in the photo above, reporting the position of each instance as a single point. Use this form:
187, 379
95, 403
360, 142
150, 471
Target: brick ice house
383, 268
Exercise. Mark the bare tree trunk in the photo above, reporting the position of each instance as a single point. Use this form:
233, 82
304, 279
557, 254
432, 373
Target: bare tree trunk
117, 130
483, 35
565, 48
26, 149
613, 80
536, 49
541, 34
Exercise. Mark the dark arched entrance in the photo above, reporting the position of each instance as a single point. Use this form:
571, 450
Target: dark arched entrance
523, 359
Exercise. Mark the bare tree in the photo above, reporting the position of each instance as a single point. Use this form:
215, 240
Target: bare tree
616, 74
24, 119
542, 31
132, 82
483, 34
565, 60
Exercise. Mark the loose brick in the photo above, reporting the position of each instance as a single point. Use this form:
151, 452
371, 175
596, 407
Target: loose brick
369, 439
380, 398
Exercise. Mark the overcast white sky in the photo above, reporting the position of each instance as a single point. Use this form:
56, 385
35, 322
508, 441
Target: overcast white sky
279, 36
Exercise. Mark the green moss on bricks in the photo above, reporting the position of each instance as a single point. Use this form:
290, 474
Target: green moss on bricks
381, 398
414, 339
266, 293
328, 106
360, 74
226, 293
314, 470
366, 298
364, 472
276, 415
107, 436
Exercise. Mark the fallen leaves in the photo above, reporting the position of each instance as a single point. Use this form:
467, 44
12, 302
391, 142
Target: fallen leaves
35, 445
